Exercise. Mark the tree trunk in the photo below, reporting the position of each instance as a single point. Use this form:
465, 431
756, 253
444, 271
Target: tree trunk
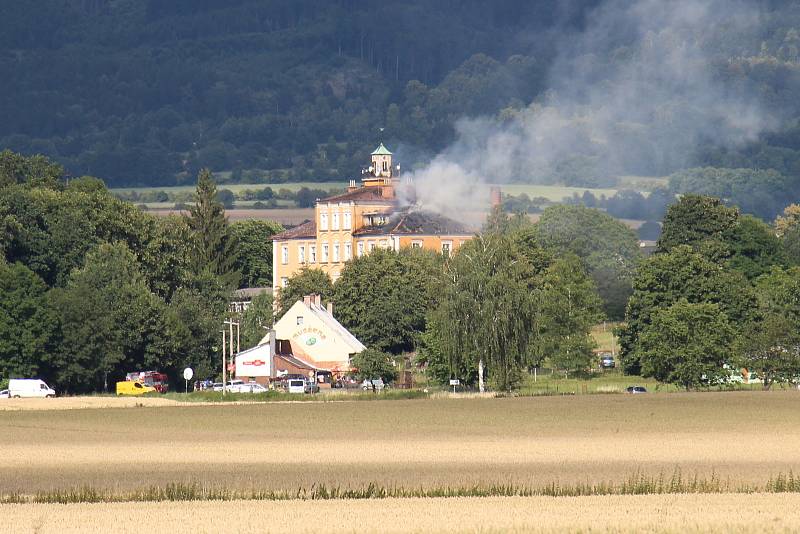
480, 375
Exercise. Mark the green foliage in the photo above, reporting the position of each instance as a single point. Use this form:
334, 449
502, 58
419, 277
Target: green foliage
488, 309
306, 282
649, 231
87, 184
384, 296
110, 321
759, 192
753, 246
687, 344
664, 279
569, 307
608, 248
253, 240
32, 171
215, 248
700, 222
769, 342
372, 363
28, 327
257, 316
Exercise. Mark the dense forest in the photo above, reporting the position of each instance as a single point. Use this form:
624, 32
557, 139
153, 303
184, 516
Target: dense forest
148, 92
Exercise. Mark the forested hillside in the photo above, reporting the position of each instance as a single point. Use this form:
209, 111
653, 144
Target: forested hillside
148, 92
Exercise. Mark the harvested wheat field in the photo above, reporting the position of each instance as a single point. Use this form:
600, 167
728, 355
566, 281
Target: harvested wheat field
591, 463
639, 513
741, 438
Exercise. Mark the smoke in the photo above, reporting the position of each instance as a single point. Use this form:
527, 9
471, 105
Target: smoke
636, 92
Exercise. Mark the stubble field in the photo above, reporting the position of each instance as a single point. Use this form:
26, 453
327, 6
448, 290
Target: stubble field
740, 439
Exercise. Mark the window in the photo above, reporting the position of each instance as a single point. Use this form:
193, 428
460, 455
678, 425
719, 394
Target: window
336, 252
446, 245
284, 254
323, 221
325, 253
347, 221
312, 254
360, 249
284, 281
385, 166
371, 246
299, 320
301, 254
416, 244
335, 220
348, 251
384, 243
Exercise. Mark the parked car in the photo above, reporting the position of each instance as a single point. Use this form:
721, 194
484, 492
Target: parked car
4, 394
636, 389
311, 387
250, 387
607, 362
296, 385
127, 387
374, 384
232, 386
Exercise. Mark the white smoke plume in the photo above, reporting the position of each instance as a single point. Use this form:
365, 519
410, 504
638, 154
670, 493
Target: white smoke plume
635, 92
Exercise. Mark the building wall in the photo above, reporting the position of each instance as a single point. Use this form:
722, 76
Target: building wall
358, 245
318, 341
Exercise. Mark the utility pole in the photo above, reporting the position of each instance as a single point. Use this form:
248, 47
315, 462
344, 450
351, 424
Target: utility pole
224, 364
231, 323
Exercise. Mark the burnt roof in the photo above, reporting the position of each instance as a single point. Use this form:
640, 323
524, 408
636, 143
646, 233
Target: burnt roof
371, 194
305, 230
417, 222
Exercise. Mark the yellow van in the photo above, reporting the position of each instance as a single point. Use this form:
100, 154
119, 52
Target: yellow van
129, 387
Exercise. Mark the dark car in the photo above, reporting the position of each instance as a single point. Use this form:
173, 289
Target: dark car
636, 389
607, 362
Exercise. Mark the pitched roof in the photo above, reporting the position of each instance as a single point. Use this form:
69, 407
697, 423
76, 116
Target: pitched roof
417, 222
371, 194
305, 230
381, 151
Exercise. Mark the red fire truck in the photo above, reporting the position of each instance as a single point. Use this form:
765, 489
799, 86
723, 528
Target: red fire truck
150, 378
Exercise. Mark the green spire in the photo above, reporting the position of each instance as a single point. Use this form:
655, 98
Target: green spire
381, 151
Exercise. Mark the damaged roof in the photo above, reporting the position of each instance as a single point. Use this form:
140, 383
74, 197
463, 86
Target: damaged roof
417, 222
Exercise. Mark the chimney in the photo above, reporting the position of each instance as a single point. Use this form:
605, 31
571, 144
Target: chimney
352, 187
317, 300
272, 362
307, 300
330, 308
495, 196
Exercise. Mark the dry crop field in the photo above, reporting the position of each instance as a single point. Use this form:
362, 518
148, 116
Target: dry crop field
739, 439
721, 513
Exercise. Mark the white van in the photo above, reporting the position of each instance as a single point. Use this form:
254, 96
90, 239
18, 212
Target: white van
29, 387
296, 385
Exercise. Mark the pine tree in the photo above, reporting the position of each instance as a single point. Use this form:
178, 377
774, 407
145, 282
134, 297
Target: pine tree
214, 246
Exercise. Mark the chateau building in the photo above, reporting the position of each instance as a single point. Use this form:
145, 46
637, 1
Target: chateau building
378, 213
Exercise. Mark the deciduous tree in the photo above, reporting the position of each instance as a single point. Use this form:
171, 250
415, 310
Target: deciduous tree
688, 344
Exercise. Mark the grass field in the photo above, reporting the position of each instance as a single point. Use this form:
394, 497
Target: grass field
236, 188
739, 439
554, 193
